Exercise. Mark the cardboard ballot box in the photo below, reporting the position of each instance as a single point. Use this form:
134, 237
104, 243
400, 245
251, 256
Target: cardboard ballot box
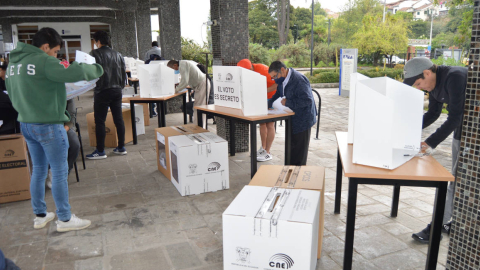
199, 163
111, 139
354, 78
387, 124
156, 81
146, 109
163, 150
271, 228
240, 88
14, 169
295, 177
133, 66
139, 117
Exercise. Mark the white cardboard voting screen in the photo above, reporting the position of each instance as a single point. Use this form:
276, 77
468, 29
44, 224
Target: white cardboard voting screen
354, 78
240, 88
165, 62
156, 81
388, 123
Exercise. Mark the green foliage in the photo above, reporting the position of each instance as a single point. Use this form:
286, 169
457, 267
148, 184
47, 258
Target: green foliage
298, 54
318, 71
193, 51
258, 54
262, 22
447, 62
418, 29
399, 66
325, 54
389, 72
324, 77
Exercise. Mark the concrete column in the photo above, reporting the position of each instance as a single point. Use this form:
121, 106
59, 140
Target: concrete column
130, 33
170, 33
144, 28
117, 35
7, 32
230, 37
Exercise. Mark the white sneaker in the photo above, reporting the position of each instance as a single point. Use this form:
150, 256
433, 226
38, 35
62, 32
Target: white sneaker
74, 224
265, 157
48, 182
40, 222
260, 151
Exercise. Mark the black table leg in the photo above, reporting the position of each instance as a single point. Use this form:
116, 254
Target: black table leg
395, 198
76, 170
163, 108
338, 186
199, 119
253, 148
349, 234
135, 85
150, 109
232, 138
134, 126
159, 114
436, 228
288, 142
184, 109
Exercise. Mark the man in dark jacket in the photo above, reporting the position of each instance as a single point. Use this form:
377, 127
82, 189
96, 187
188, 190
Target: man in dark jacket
299, 98
8, 115
108, 93
445, 85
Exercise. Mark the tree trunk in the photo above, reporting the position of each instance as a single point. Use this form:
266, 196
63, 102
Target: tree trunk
288, 21
281, 21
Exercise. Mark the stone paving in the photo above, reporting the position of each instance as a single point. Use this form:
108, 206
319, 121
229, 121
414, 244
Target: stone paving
141, 222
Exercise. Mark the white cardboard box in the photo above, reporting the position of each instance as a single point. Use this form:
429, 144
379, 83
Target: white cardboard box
156, 81
199, 163
139, 117
165, 62
354, 78
271, 228
133, 65
388, 123
240, 88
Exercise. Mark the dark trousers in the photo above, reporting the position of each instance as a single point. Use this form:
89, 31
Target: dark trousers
101, 102
299, 148
74, 148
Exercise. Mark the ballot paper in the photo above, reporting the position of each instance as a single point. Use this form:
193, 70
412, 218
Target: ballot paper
82, 57
278, 107
78, 88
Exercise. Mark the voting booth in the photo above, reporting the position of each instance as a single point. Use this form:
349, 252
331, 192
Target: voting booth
271, 228
165, 62
354, 78
240, 88
156, 81
199, 163
387, 124
131, 64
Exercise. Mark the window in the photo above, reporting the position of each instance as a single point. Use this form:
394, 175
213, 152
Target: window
418, 13
425, 12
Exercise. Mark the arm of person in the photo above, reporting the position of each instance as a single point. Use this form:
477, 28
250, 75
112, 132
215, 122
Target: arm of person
272, 88
56, 72
455, 113
434, 111
72, 112
185, 74
274, 97
303, 96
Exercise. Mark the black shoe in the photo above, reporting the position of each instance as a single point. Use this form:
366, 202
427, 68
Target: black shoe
424, 236
446, 228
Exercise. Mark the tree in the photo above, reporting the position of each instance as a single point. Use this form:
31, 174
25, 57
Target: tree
262, 24
283, 20
382, 38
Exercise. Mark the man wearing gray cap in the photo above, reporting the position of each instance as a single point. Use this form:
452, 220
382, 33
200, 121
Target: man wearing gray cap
444, 84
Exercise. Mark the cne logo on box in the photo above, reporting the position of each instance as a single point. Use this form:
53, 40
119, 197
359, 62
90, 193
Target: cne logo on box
281, 261
9, 153
213, 167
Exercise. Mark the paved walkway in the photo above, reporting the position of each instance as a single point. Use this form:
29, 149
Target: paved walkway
141, 222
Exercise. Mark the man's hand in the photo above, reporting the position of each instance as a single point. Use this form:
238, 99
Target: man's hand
424, 147
66, 128
284, 101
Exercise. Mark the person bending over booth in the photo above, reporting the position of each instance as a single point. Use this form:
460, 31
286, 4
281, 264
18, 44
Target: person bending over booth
36, 85
193, 76
445, 85
267, 130
299, 98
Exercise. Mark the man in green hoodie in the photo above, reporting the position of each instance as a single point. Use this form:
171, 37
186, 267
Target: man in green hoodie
36, 85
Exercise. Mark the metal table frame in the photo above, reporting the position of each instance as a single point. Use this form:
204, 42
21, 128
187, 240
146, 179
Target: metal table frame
253, 134
162, 111
438, 211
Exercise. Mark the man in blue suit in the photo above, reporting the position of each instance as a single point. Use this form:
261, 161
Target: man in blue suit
299, 98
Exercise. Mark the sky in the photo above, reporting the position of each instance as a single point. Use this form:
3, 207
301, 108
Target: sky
193, 13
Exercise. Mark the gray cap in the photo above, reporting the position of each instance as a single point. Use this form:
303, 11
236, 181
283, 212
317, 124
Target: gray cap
414, 68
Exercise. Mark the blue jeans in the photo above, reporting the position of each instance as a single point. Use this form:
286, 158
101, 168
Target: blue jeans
48, 144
